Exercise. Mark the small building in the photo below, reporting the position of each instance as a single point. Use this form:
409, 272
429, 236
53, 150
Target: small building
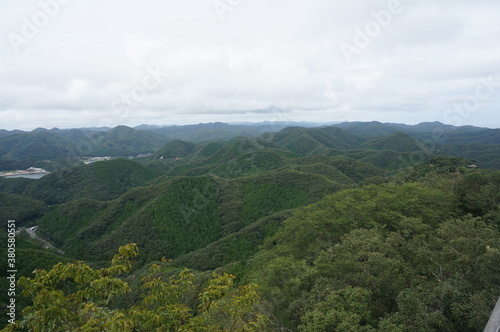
36, 170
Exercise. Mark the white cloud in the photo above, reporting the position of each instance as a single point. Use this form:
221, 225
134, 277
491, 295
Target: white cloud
430, 56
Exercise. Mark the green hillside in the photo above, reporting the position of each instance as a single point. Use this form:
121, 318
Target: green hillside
398, 141
237, 147
237, 157
388, 159
460, 135
175, 149
23, 210
42, 144
14, 185
381, 253
101, 180
353, 169
208, 149
302, 141
369, 129
123, 141
6, 133
336, 138
236, 246
37, 145
216, 131
179, 215
486, 156
329, 172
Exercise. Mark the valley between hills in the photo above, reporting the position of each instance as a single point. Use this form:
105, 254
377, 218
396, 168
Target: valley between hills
356, 226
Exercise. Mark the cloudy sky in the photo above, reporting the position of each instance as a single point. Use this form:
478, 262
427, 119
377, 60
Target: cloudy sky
75, 63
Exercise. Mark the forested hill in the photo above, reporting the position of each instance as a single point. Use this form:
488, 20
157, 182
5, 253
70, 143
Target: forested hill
101, 181
65, 147
355, 226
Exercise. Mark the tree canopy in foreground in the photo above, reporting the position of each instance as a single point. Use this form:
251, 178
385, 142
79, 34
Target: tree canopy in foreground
77, 297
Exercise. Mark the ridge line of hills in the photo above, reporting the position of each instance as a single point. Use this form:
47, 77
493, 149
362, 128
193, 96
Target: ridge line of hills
315, 215
20, 150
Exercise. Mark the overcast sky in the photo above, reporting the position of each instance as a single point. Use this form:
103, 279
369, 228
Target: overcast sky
75, 63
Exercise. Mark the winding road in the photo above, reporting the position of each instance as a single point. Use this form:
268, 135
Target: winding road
32, 232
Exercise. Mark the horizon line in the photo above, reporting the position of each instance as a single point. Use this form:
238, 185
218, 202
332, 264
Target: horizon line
244, 123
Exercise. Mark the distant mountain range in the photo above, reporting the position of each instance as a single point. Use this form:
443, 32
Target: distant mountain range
157, 197
481, 144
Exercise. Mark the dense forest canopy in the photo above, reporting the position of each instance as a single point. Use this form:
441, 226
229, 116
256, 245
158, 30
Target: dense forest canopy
351, 227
